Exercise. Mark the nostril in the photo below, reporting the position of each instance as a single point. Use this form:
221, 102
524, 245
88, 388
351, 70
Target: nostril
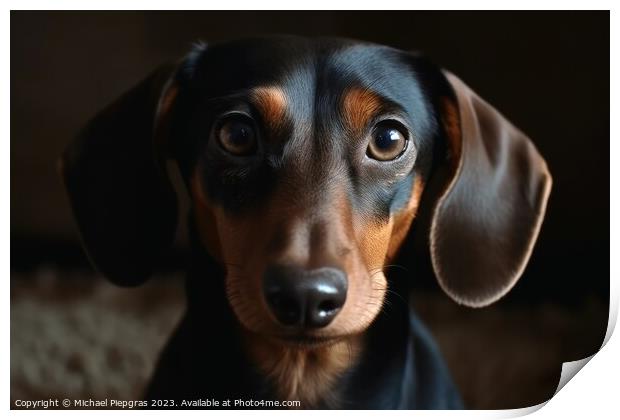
327, 307
326, 296
287, 310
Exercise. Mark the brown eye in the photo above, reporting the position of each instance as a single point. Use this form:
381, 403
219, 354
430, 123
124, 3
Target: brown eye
237, 136
387, 142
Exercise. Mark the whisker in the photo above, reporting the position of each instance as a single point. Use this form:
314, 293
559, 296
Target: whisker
402, 267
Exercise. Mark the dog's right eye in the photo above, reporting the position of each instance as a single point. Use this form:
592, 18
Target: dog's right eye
236, 135
387, 142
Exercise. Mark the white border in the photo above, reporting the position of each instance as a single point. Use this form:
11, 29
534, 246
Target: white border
311, 5
594, 391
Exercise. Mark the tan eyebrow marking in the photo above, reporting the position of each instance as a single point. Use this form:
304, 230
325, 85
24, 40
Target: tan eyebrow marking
359, 105
271, 103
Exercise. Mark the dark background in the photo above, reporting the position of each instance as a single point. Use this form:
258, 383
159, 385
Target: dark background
547, 71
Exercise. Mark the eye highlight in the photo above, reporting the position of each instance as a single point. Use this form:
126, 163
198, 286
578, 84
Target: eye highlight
387, 141
236, 135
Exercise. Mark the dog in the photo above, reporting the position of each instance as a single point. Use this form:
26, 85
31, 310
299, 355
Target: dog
321, 174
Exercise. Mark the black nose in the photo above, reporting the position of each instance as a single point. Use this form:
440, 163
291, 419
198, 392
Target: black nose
304, 298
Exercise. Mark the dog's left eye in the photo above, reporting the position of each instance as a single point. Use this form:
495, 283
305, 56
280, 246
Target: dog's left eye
236, 135
387, 142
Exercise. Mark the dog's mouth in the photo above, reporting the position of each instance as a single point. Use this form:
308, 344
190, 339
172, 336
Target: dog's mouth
304, 341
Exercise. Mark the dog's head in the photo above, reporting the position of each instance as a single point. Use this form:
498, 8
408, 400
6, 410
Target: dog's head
306, 162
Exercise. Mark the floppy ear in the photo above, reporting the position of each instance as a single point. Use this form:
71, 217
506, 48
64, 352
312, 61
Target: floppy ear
487, 217
124, 205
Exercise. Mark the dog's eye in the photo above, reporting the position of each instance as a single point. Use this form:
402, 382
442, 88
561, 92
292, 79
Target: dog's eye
237, 136
387, 142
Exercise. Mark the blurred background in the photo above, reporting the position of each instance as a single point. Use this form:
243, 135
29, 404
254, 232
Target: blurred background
75, 335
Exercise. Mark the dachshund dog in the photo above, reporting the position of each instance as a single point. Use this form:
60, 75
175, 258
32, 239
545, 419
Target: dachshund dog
313, 167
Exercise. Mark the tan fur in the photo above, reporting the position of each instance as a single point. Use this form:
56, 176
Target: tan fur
271, 103
452, 124
247, 259
379, 242
404, 219
305, 375
358, 107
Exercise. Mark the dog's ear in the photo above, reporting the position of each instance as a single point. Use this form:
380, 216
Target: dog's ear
490, 207
123, 202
